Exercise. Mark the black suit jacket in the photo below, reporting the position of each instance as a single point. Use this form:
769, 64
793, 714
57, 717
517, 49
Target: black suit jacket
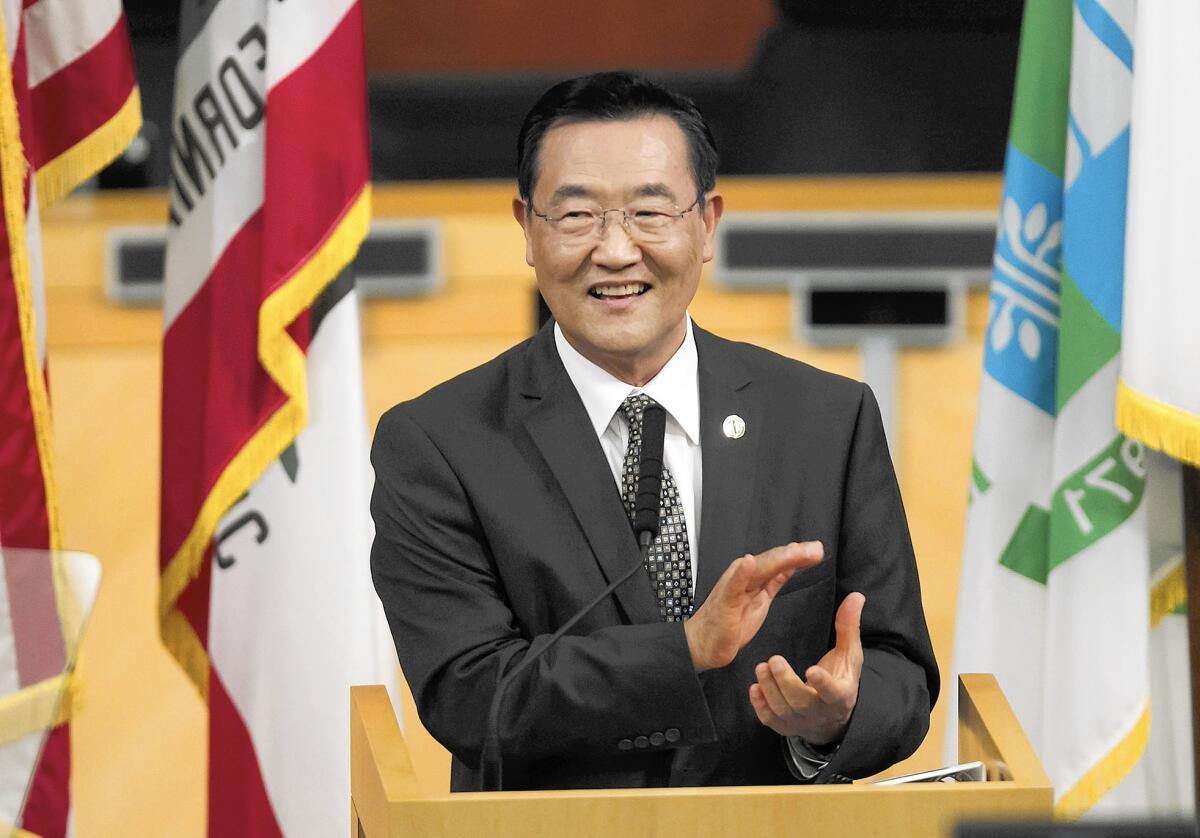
497, 518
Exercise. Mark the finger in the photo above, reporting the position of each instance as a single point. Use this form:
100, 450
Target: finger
758, 603
761, 709
736, 580
771, 691
827, 687
762, 599
777, 582
787, 558
821, 681
847, 625
796, 693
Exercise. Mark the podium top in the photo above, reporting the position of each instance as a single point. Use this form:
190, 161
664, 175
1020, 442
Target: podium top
386, 799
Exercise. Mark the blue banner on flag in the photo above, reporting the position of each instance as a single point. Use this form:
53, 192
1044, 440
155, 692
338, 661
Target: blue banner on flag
1022, 336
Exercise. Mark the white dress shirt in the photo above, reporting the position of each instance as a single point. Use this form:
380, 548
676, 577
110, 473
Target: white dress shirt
677, 390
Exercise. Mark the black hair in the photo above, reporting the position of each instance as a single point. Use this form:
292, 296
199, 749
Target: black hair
614, 96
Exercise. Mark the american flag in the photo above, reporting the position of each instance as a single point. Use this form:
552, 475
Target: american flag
68, 104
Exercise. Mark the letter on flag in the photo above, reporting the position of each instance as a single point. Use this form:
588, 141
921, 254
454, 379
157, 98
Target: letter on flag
265, 530
68, 105
1074, 538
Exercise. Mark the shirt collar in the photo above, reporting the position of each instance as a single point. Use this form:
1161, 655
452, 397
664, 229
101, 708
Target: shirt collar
674, 387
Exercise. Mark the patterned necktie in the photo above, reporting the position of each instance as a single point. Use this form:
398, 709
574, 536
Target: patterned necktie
669, 561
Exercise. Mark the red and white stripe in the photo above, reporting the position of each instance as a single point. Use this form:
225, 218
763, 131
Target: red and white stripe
274, 640
79, 71
70, 104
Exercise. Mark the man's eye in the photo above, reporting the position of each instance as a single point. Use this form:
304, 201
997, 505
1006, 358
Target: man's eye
650, 213
577, 215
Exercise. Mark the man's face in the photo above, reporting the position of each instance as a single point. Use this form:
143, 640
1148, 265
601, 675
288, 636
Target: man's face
619, 299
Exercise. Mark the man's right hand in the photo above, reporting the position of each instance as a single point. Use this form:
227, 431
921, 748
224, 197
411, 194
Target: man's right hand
738, 604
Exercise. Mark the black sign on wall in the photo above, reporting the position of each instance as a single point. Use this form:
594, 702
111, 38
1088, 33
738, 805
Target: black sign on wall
401, 258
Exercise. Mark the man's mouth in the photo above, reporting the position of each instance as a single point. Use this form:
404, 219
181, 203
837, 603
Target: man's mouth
629, 289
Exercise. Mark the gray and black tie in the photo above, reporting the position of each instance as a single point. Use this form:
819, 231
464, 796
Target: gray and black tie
669, 561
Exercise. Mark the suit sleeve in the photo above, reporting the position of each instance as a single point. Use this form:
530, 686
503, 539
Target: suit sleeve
899, 681
457, 636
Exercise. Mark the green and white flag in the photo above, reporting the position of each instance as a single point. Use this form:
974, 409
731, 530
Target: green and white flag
1055, 592
1158, 399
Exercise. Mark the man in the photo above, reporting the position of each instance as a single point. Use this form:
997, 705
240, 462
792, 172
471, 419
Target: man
499, 505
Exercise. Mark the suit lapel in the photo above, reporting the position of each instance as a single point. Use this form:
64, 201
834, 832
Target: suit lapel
562, 432
728, 465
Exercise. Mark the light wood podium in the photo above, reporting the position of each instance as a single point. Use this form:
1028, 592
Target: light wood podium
386, 801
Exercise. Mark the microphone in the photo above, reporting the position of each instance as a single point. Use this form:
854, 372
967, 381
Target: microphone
650, 469
645, 529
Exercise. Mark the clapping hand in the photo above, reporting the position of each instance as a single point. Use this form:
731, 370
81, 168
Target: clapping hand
818, 707
733, 613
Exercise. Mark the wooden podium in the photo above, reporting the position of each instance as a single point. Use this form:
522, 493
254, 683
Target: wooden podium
386, 802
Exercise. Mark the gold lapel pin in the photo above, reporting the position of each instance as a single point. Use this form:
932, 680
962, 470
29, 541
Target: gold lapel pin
734, 426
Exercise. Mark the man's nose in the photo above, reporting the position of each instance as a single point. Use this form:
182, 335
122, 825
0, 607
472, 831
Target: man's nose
616, 247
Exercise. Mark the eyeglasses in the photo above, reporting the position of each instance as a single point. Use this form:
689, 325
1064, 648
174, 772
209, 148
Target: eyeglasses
647, 221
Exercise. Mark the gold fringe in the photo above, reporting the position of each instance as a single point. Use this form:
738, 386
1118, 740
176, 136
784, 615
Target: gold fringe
276, 349
182, 642
1104, 776
68, 700
285, 362
1162, 426
70, 617
43, 705
57, 177
1168, 593
12, 187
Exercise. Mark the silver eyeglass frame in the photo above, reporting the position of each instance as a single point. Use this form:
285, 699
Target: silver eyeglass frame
598, 231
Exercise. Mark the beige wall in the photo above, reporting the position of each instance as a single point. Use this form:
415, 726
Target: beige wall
138, 735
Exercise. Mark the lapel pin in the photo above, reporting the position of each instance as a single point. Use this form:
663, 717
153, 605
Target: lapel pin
734, 426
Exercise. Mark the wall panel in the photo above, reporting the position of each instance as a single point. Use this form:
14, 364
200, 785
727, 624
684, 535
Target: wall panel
553, 35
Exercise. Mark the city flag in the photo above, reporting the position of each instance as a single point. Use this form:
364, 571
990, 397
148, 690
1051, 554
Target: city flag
265, 530
1057, 567
68, 105
1159, 396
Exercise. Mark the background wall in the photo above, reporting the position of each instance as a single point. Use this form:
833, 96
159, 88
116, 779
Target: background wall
138, 738
489, 35
789, 87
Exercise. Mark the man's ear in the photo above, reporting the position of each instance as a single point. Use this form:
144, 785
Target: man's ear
520, 211
714, 205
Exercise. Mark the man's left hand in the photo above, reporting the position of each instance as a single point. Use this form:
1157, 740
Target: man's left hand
816, 711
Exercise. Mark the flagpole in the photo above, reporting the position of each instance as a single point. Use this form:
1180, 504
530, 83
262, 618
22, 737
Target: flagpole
1191, 537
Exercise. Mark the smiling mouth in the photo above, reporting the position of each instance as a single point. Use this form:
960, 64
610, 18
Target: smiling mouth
629, 289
